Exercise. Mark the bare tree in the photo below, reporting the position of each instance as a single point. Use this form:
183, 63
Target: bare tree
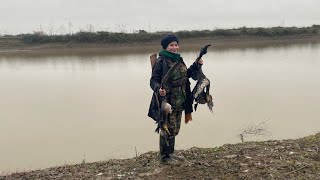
107, 29
122, 28
90, 28
70, 27
51, 29
62, 29
40, 28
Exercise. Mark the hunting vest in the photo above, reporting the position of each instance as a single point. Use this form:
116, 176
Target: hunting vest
178, 81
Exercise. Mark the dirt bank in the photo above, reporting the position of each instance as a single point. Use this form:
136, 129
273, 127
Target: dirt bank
276, 159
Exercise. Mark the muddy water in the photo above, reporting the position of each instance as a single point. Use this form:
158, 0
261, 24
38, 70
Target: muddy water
76, 107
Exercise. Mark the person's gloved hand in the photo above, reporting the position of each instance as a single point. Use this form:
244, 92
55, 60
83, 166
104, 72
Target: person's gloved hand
200, 62
162, 92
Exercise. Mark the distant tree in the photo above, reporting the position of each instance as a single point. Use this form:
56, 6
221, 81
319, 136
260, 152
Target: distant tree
121, 28
39, 33
51, 29
141, 31
70, 27
62, 29
90, 28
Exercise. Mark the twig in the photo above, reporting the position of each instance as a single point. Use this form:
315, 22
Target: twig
254, 130
137, 154
296, 170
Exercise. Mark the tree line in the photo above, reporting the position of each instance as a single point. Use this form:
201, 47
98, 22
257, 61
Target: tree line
144, 36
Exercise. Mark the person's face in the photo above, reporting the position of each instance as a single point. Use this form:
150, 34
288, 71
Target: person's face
173, 47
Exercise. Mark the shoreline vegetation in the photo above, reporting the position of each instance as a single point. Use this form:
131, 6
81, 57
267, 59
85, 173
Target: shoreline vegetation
221, 38
273, 159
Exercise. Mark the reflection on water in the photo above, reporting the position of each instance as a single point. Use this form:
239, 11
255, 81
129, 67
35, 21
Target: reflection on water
62, 109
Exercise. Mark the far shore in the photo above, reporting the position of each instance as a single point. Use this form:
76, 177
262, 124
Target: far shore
9, 46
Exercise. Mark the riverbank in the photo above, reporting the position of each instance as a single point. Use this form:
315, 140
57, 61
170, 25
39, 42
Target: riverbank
276, 159
15, 45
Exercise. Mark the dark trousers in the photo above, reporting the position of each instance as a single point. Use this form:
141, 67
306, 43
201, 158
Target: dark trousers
166, 149
174, 122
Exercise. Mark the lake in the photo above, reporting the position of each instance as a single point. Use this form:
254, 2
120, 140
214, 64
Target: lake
73, 107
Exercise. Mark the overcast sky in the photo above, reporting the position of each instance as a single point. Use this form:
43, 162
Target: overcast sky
62, 16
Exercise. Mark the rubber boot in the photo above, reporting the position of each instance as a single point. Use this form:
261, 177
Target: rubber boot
164, 148
171, 150
164, 153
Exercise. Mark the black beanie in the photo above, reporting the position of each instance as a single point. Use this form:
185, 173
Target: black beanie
165, 41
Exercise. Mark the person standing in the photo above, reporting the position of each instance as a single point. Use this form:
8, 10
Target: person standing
176, 92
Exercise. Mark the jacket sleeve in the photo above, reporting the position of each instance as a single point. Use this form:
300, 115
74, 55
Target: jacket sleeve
155, 81
193, 71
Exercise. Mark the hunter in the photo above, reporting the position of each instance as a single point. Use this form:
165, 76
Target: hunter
175, 91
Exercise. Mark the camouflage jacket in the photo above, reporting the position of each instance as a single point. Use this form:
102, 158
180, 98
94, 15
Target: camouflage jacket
158, 72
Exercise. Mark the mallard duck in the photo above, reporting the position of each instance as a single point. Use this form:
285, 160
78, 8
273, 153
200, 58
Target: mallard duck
201, 93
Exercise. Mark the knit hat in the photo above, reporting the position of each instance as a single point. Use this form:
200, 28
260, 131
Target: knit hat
165, 41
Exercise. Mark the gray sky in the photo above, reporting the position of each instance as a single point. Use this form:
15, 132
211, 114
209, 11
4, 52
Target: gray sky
62, 16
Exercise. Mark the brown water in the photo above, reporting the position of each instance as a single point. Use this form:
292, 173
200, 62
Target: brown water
64, 109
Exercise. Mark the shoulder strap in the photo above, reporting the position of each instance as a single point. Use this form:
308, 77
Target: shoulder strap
168, 73
164, 67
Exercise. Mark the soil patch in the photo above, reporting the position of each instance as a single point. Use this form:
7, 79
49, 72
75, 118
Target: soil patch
276, 159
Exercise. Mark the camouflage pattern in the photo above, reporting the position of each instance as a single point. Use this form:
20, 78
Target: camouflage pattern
174, 128
177, 96
159, 70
